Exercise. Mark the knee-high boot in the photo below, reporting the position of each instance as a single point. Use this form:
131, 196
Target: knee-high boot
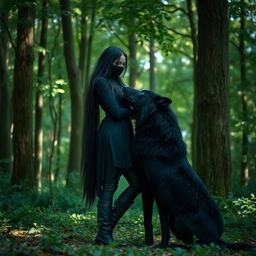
104, 235
104, 207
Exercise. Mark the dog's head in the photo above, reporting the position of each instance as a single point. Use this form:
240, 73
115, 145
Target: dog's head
145, 102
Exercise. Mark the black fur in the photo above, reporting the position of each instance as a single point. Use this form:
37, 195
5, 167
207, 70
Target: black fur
184, 204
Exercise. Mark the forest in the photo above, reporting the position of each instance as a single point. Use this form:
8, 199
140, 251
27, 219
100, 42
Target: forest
199, 53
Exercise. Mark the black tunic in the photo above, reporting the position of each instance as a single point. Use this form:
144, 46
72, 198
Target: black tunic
115, 132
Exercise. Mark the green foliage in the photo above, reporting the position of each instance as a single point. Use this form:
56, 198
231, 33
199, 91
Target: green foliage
247, 206
30, 226
152, 20
56, 223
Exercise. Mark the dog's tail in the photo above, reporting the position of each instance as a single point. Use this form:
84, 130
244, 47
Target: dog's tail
236, 246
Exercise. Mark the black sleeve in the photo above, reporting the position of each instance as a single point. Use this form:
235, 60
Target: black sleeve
110, 104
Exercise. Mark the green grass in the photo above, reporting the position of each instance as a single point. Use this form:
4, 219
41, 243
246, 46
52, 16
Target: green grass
55, 232
35, 225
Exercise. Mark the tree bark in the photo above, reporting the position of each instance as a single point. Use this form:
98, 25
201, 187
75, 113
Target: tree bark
82, 46
254, 143
76, 92
193, 33
5, 136
212, 160
133, 58
244, 97
152, 61
22, 102
39, 99
89, 45
59, 132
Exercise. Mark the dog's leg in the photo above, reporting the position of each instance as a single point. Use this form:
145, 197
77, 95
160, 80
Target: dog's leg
164, 220
148, 200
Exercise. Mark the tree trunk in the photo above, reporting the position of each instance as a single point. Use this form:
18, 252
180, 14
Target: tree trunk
212, 160
5, 136
58, 157
22, 101
89, 45
152, 61
254, 143
76, 92
82, 46
39, 100
193, 34
132, 54
244, 161
54, 120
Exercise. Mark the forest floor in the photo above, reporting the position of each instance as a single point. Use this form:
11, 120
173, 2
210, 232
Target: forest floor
29, 229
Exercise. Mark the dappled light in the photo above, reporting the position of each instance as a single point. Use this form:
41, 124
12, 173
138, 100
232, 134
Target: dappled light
69, 129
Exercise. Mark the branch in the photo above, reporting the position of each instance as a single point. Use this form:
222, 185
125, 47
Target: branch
116, 34
184, 53
145, 48
55, 45
177, 9
83, 42
192, 28
179, 33
8, 32
233, 43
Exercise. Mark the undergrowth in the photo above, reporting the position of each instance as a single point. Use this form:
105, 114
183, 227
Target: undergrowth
37, 224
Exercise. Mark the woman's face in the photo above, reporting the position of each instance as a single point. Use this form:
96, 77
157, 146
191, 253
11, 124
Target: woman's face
120, 61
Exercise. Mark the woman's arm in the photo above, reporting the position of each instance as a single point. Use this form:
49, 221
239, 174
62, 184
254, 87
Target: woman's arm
109, 100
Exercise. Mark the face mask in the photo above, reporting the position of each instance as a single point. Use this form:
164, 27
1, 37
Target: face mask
116, 70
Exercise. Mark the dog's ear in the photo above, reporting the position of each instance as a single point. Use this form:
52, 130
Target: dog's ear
162, 101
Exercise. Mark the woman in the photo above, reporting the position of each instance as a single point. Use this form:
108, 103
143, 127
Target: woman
107, 148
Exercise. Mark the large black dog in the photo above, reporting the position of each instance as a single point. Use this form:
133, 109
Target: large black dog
184, 204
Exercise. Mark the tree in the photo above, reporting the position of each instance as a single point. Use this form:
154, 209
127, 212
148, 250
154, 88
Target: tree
76, 91
22, 96
212, 156
242, 63
193, 33
120, 19
39, 97
152, 61
244, 97
86, 42
132, 47
5, 138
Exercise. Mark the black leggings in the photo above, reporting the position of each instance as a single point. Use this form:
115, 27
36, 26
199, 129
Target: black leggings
111, 179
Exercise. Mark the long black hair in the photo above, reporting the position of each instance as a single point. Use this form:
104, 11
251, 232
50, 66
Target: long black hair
91, 122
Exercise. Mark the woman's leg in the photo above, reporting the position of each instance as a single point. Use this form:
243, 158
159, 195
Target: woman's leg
126, 199
134, 188
104, 206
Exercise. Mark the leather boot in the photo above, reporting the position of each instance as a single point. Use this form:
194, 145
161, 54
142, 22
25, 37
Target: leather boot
119, 209
104, 235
